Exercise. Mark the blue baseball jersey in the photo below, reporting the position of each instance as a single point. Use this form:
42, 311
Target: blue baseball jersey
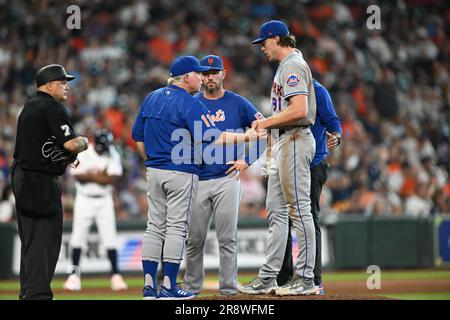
326, 120
231, 111
172, 123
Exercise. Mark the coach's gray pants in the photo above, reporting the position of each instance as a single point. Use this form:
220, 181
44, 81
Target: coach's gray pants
171, 196
218, 198
289, 194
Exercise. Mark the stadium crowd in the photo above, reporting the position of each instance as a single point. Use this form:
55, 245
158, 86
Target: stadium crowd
390, 87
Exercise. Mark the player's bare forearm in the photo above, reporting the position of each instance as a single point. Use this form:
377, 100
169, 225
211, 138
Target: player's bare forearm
233, 138
105, 179
288, 117
76, 145
230, 138
84, 178
141, 149
100, 178
297, 109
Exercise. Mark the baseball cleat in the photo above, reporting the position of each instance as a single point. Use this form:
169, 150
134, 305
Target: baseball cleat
73, 283
260, 286
297, 286
175, 293
149, 293
117, 283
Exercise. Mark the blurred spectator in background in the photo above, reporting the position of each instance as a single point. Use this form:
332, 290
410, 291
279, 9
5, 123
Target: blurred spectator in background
7, 202
418, 204
253, 194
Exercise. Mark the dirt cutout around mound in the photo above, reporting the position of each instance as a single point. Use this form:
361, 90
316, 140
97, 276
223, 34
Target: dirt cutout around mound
352, 290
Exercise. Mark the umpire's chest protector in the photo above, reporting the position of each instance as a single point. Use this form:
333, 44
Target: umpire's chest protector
41, 118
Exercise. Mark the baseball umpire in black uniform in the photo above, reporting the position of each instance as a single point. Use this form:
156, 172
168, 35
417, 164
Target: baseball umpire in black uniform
45, 145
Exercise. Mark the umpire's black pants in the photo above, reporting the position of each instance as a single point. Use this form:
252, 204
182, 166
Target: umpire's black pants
40, 244
319, 175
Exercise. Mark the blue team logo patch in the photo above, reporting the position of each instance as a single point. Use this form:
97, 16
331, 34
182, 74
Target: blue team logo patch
292, 79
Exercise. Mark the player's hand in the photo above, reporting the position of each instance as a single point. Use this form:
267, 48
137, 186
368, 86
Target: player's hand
332, 141
259, 125
103, 173
253, 134
237, 167
86, 140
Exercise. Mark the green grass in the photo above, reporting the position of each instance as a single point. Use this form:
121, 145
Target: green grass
87, 282
9, 285
97, 297
80, 297
420, 296
136, 281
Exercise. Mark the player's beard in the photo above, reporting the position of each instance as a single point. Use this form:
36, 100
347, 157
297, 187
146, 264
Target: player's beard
271, 58
211, 89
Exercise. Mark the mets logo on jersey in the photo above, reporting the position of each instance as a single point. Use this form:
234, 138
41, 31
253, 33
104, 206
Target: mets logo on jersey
292, 79
219, 116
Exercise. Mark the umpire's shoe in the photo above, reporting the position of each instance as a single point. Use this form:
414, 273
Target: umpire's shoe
260, 286
297, 286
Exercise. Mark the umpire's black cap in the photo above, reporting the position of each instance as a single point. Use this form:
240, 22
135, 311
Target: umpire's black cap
52, 72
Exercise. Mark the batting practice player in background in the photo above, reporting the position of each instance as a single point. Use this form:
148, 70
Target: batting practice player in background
34, 177
294, 111
100, 167
327, 132
219, 188
171, 118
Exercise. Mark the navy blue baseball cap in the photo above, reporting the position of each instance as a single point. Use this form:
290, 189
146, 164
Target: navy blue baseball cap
185, 64
212, 62
271, 29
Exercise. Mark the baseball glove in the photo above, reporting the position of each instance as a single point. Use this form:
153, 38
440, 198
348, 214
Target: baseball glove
269, 167
51, 150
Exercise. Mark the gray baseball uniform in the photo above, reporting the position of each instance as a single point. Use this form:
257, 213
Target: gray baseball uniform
289, 187
219, 197
174, 192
